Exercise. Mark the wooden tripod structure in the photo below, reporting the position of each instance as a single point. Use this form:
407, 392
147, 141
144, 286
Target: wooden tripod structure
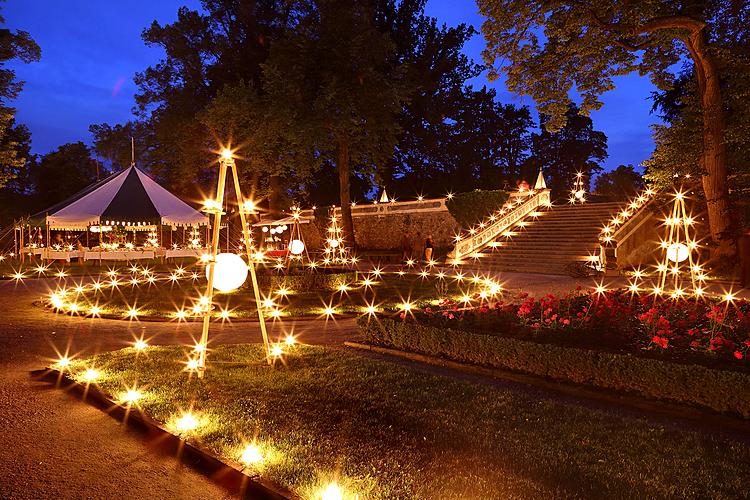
679, 241
226, 164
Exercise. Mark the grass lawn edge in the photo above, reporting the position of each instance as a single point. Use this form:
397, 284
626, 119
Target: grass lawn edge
228, 473
704, 417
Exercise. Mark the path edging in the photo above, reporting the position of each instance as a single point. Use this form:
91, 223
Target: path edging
205, 461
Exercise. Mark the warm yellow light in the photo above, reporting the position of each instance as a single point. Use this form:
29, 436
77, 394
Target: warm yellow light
131, 396
186, 423
332, 492
290, 340
226, 154
728, 297
277, 351
132, 313
329, 311
275, 313
63, 362
91, 375
95, 311
251, 455
192, 364
199, 347
140, 344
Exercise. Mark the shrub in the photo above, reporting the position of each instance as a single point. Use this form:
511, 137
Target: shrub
471, 208
719, 390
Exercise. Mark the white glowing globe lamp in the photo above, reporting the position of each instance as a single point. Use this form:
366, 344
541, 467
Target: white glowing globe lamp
579, 194
296, 247
677, 252
230, 272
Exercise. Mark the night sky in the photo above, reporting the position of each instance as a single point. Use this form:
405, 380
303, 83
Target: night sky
92, 50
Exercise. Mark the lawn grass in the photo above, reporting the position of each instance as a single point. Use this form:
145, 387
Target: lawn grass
31, 268
384, 430
164, 298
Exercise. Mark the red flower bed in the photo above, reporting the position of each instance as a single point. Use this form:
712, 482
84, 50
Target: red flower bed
706, 331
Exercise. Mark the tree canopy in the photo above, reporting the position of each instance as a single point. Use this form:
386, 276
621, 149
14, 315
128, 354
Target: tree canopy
552, 50
620, 184
13, 45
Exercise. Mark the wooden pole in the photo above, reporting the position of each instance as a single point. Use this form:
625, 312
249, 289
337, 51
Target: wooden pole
214, 249
251, 266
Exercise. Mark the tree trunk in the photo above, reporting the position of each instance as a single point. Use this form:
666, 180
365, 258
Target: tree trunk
345, 199
713, 157
274, 195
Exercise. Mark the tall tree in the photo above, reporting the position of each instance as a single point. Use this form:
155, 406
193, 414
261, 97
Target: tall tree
620, 184
586, 44
224, 43
13, 45
336, 70
561, 155
64, 172
112, 143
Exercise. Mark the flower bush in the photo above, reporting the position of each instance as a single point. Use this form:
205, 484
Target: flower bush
618, 320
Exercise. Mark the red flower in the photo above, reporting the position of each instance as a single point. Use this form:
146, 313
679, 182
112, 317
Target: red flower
662, 342
738, 354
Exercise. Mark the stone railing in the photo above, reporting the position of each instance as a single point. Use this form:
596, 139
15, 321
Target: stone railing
480, 239
626, 238
391, 207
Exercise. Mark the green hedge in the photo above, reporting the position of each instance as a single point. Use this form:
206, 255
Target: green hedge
719, 390
471, 208
307, 282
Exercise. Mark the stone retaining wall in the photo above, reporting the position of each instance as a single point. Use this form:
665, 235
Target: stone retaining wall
384, 231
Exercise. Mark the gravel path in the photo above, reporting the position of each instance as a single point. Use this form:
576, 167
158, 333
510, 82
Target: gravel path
54, 446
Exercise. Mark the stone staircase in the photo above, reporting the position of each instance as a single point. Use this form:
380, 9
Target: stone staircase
547, 243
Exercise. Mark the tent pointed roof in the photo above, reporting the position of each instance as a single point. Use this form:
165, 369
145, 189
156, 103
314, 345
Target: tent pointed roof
128, 198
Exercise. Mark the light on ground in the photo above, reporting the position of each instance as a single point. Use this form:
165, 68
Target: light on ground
332, 492
91, 375
251, 455
187, 422
131, 396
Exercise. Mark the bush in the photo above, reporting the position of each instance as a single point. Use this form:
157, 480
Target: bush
719, 390
471, 208
306, 282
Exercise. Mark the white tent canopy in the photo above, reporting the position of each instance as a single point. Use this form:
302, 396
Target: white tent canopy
128, 198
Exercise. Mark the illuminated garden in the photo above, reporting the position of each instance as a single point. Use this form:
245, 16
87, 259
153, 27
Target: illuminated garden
339, 250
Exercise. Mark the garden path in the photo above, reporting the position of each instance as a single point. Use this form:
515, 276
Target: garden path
54, 446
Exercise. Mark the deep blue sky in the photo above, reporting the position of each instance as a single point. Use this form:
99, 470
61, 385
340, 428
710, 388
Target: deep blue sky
92, 49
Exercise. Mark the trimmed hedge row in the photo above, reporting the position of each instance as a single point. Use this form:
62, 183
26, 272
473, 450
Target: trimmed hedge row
306, 282
719, 390
472, 207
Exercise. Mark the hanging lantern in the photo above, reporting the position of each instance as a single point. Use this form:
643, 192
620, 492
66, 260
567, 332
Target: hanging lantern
230, 272
296, 247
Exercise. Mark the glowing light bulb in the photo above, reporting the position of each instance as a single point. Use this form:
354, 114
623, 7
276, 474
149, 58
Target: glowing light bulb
131, 396
186, 423
63, 362
226, 154
91, 375
332, 492
140, 344
290, 340
277, 351
251, 455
